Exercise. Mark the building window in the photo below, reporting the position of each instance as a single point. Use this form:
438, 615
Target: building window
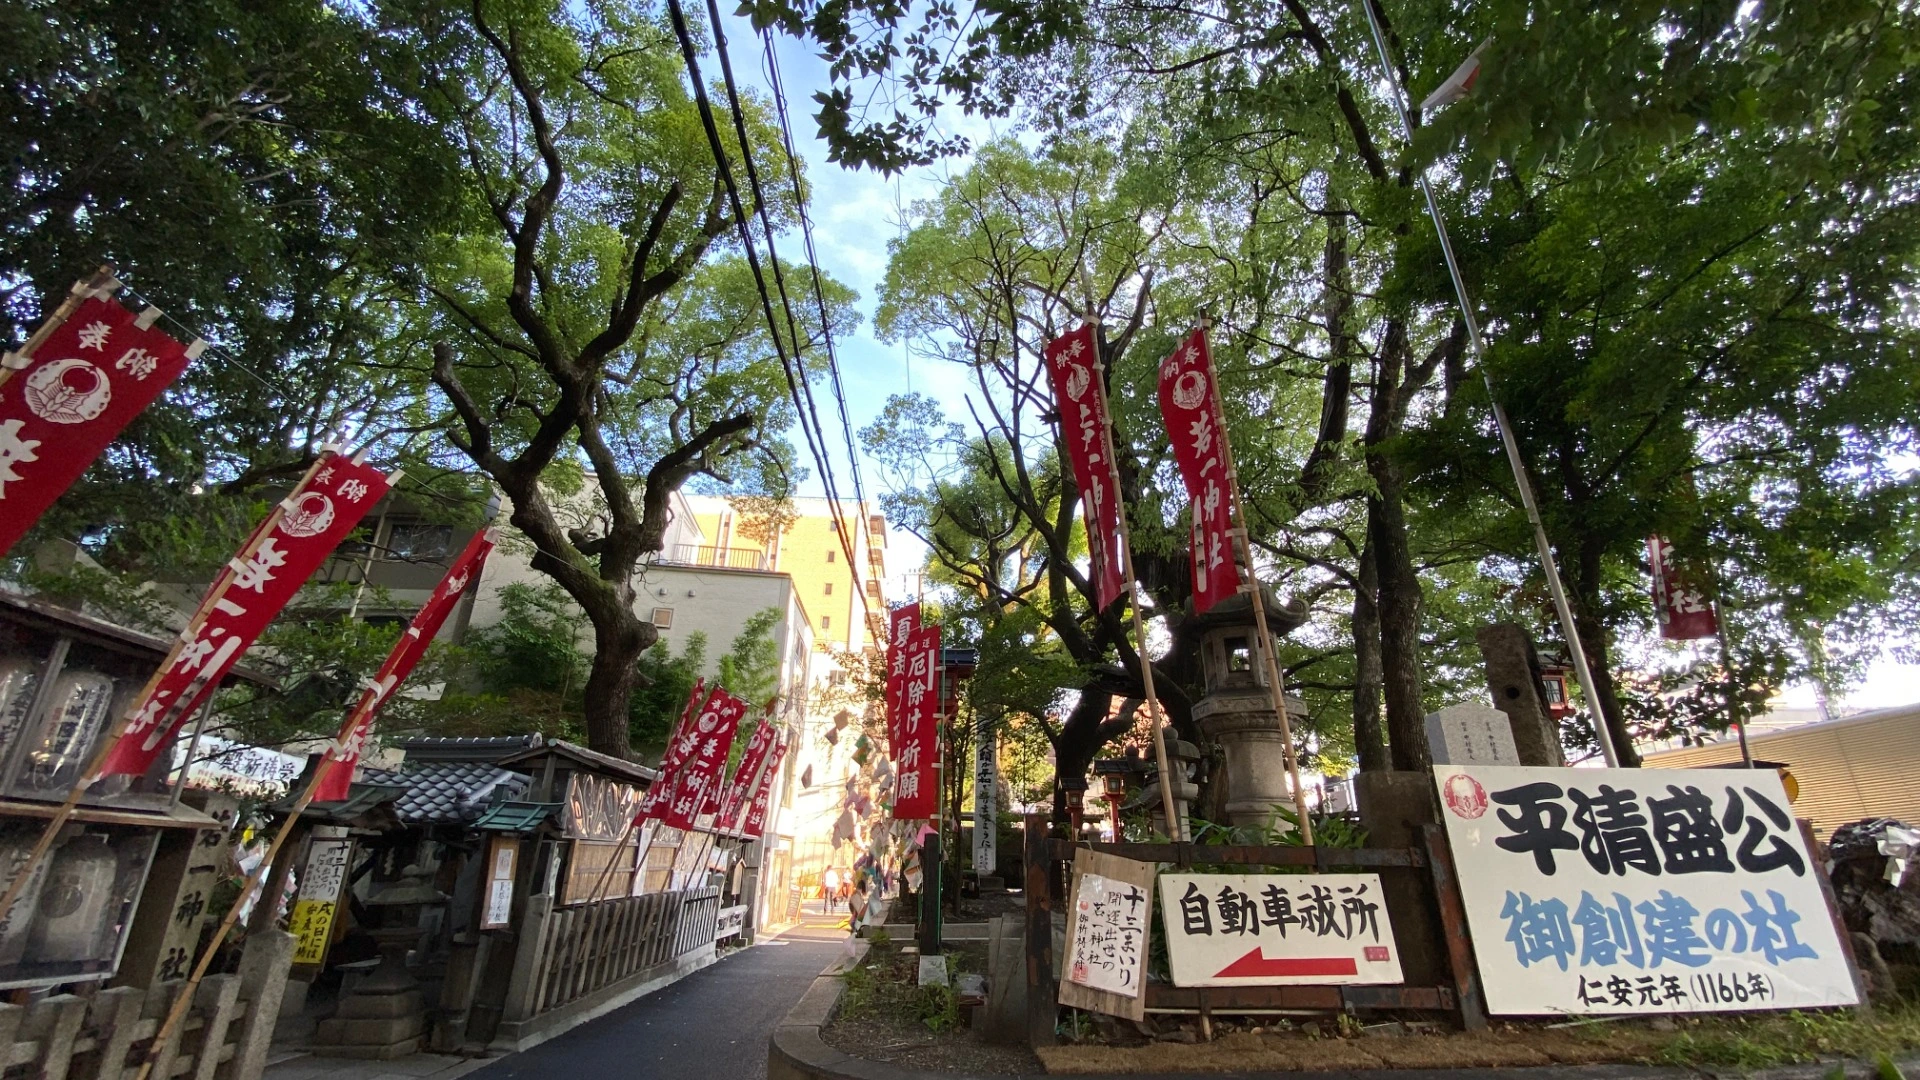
662, 618
829, 588
418, 540
826, 622
829, 554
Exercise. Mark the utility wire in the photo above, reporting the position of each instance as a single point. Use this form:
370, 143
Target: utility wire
796, 383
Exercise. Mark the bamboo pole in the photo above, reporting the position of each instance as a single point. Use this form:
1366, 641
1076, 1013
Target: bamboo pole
100, 283
1263, 641
90, 775
1161, 761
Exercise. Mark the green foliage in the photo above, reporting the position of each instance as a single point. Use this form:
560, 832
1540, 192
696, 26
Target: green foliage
666, 682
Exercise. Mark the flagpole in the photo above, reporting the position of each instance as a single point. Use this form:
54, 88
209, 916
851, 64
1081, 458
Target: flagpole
101, 283
1158, 715
1554, 587
1260, 633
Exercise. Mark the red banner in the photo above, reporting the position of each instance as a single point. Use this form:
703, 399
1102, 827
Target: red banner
661, 789
901, 622
756, 823
1081, 395
916, 792
62, 406
1190, 406
343, 754
283, 553
1684, 611
708, 743
746, 776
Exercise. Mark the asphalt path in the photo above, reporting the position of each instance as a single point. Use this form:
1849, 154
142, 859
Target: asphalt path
713, 1023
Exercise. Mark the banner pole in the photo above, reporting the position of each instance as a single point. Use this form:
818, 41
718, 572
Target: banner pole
1554, 586
1175, 832
89, 777
1264, 642
100, 283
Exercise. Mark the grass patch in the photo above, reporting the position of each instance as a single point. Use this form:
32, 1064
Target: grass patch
884, 985
1765, 1040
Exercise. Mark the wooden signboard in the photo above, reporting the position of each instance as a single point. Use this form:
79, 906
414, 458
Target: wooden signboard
320, 885
503, 856
1109, 915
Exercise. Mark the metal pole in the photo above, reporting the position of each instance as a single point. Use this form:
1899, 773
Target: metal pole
1554, 587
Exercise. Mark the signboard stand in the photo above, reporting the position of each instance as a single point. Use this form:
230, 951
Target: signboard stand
1840, 931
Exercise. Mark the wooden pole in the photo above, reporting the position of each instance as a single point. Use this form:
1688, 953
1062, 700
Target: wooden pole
90, 775
1263, 642
1159, 721
100, 283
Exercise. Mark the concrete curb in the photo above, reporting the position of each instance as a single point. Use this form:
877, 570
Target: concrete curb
797, 1052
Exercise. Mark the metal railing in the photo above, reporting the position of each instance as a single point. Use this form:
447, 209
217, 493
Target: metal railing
733, 558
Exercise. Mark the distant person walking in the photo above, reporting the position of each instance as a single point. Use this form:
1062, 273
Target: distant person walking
830, 887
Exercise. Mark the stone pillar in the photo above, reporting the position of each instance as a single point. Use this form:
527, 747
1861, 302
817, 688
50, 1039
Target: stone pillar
1513, 677
1393, 806
1237, 710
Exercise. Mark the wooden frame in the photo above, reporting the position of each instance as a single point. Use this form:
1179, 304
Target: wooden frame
1047, 856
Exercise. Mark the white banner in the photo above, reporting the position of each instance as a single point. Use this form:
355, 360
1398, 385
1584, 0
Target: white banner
986, 777
1277, 929
1639, 891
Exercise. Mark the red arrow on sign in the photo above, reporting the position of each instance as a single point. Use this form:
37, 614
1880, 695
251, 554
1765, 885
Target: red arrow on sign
1255, 966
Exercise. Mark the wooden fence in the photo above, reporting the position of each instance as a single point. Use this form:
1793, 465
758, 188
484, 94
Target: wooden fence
1431, 860
581, 950
106, 1036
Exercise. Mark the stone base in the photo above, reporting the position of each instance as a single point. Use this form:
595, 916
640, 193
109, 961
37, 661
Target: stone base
345, 1034
1393, 806
384, 1052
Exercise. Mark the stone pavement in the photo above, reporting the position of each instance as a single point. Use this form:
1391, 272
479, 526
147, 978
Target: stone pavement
715, 1022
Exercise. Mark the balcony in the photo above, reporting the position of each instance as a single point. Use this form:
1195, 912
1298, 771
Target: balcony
731, 558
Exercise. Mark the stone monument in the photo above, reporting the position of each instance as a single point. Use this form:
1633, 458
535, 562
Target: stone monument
1237, 709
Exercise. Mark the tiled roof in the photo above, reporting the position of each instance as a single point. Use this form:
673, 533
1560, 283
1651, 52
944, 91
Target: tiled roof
448, 792
516, 817
445, 748
580, 755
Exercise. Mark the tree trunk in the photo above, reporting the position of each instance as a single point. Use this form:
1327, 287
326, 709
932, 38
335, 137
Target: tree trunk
1593, 642
619, 637
1399, 621
1369, 742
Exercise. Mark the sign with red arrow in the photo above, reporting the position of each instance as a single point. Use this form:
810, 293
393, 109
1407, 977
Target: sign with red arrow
1277, 929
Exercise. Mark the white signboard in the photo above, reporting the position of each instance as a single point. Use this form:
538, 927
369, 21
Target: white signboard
1639, 891
732, 921
1109, 947
1277, 929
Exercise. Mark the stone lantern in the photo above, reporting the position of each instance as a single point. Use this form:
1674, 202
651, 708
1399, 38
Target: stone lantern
1237, 709
1184, 759
386, 1014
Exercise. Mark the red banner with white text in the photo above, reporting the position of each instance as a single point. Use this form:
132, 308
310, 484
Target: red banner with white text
282, 554
343, 754
901, 623
916, 792
1073, 361
1190, 407
746, 775
756, 823
62, 407
707, 743
1684, 611
661, 790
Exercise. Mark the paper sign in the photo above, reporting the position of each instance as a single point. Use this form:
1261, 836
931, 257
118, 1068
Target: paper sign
1109, 946
1277, 929
312, 921
1639, 891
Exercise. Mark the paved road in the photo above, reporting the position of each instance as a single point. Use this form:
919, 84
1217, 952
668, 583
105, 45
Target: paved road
714, 1023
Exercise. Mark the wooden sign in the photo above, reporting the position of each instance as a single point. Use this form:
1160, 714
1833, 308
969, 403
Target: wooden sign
1108, 914
503, 856
320, 885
